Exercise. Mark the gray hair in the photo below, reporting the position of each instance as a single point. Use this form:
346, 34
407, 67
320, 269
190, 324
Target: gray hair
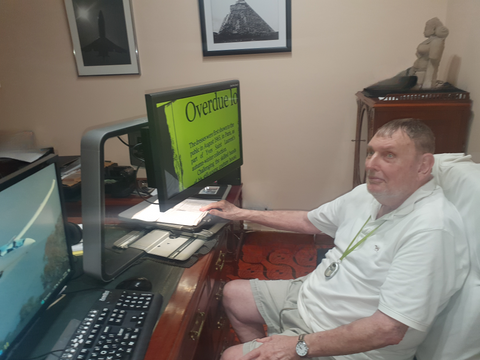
415, 129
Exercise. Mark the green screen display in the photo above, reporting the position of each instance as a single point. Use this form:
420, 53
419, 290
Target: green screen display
203, 136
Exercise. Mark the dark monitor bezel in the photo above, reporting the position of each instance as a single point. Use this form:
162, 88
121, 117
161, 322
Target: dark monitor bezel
11, 180
160, 151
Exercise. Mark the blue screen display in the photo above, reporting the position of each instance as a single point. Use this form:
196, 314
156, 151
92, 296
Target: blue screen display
34, 257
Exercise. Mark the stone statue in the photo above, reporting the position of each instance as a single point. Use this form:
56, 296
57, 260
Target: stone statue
423, 73
429, 54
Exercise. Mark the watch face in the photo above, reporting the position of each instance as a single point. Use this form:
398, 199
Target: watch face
302, 348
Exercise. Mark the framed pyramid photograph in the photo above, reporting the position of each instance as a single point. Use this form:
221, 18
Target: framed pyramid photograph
231, 27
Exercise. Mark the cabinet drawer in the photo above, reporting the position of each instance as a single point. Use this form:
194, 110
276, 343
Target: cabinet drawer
196, 326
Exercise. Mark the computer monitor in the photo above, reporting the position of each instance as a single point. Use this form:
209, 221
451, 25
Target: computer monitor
35, 259
195, 139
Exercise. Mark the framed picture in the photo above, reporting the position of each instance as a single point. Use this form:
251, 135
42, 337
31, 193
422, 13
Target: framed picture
103, 37
232, 27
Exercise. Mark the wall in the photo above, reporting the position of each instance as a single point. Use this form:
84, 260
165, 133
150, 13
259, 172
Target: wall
462, 56
298, 109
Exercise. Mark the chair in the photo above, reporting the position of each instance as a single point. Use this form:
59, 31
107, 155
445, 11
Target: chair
455, 334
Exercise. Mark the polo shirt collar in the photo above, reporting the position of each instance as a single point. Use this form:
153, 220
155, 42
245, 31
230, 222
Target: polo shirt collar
409, 204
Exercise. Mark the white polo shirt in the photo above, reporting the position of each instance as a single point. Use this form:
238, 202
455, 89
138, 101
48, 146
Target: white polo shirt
408, 269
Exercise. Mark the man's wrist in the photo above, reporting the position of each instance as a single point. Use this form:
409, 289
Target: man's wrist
301, 348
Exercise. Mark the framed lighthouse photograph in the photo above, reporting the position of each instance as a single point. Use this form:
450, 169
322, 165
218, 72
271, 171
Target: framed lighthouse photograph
103, 37
231, 27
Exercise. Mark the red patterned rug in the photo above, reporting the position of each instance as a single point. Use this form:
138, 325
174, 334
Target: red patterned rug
276, 255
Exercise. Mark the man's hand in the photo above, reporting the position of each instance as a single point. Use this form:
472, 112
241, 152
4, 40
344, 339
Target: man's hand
276, 347
224, 209
282, 220
373, 332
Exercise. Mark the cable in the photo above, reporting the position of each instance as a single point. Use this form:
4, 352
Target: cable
125, 143
137, 190
134, 154
145, 198
133, 148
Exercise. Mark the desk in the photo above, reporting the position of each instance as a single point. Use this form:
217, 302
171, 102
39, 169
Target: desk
193, 324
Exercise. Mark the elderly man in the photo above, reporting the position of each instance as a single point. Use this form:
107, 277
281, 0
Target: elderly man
400, 254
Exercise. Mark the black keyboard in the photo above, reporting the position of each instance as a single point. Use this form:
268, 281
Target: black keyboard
118, 327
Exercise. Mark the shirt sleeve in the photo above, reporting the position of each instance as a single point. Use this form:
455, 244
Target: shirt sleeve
326, 218
329, 216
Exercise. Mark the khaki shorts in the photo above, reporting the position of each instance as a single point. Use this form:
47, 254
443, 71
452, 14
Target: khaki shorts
277, 303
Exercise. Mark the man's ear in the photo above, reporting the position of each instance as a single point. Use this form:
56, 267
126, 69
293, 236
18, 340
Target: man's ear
426, 165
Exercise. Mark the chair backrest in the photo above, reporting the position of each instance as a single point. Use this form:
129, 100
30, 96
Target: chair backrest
455, 335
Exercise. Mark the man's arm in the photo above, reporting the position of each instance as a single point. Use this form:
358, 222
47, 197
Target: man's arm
374, 332
282, 220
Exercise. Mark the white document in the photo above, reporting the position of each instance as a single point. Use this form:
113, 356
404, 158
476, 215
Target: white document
23, 155
185, 213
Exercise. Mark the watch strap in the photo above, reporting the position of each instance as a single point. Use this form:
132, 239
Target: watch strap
303, 350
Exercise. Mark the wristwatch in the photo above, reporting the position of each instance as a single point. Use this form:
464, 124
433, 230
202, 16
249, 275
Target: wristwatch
302, 347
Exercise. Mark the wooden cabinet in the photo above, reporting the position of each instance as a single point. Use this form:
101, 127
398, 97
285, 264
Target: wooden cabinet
447, 114
216, 335
194, 325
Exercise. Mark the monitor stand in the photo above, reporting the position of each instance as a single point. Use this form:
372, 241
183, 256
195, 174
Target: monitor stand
99, 259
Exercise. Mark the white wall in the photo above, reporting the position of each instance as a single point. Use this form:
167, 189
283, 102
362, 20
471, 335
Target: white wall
462, 59
298, 109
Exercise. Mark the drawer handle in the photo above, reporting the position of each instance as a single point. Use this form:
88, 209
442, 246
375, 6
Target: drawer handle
195, 334
221, 322
220, 261
219, 294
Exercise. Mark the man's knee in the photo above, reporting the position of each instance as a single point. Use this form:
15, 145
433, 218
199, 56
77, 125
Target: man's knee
239, 302
234, 292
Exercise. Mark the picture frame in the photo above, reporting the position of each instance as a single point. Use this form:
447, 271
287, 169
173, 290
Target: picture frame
269, 27
103, 37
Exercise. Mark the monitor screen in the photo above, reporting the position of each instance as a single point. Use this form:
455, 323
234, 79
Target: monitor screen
195, 138
34, 256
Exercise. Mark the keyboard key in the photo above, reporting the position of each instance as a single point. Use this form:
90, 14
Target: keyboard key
101, 336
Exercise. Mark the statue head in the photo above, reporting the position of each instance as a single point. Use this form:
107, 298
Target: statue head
441, 32
431, 25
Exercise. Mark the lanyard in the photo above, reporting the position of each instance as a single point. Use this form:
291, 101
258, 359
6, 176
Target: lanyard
350, 248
